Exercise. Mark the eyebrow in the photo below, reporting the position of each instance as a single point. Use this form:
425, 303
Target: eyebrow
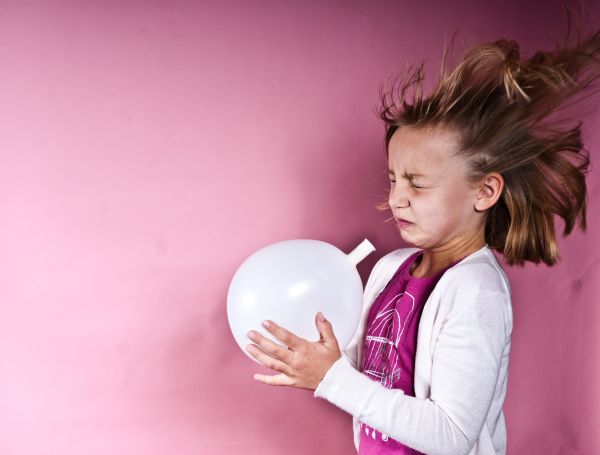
407, 175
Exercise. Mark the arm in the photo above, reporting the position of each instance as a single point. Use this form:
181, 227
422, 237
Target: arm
466, 364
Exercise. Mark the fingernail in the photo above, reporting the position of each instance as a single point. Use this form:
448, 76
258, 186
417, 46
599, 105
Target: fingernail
321, 317
266, 324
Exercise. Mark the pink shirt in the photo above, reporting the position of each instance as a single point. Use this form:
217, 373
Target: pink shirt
390, 345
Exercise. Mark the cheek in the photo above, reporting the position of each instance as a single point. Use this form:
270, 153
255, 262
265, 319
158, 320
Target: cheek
457, 208
436, 210
429, 203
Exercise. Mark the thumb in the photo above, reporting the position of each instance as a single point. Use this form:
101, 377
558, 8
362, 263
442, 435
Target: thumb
325, 329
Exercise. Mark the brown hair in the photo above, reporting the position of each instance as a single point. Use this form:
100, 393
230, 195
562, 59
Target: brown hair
501, 106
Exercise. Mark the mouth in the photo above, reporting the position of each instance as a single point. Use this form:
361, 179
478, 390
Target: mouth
403, 223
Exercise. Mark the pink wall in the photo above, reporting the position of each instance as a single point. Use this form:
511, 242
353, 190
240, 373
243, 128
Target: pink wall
147, 148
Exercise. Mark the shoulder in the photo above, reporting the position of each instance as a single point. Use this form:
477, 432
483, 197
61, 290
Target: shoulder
479, 272
477, 284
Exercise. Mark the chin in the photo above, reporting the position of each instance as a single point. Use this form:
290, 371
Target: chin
412, 241
408, 241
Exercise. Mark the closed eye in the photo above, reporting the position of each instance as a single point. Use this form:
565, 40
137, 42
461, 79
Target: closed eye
412, 185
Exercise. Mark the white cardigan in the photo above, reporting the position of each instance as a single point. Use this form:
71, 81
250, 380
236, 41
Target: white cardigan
461, 366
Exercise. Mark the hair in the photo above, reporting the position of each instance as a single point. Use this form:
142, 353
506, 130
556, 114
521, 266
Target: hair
502, 106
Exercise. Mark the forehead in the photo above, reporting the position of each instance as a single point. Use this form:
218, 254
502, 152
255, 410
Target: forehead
423, 151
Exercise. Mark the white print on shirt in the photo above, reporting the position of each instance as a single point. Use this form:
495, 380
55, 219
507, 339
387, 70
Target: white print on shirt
384, 437
379, 343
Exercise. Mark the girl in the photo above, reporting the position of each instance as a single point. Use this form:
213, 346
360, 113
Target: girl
475, 166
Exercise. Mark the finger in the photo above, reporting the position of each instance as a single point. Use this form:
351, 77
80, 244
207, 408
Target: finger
268, 346
267, 360
277, 379
326, 330
290, 339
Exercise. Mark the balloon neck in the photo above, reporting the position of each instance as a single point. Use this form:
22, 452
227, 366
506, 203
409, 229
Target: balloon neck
361, 251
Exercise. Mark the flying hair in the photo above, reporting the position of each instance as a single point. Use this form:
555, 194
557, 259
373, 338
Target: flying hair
520, 117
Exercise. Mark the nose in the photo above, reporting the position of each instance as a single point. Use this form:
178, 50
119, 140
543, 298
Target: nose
398, 197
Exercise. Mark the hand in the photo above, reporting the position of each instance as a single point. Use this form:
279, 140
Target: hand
303, 364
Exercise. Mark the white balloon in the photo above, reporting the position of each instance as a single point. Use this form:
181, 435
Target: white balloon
288, 282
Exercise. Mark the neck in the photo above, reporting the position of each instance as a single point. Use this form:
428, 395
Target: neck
435, 259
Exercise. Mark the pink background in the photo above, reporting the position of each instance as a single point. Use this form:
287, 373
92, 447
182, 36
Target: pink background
147, 148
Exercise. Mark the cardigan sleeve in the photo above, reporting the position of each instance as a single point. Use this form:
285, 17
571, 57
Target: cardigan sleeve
465, 368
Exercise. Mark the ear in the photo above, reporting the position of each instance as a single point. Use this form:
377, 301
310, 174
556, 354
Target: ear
489, 191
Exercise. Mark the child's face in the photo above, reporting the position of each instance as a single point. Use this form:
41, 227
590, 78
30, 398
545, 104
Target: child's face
441, 210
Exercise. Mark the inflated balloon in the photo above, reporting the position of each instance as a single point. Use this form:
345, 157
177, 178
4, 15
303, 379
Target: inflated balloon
289, 282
